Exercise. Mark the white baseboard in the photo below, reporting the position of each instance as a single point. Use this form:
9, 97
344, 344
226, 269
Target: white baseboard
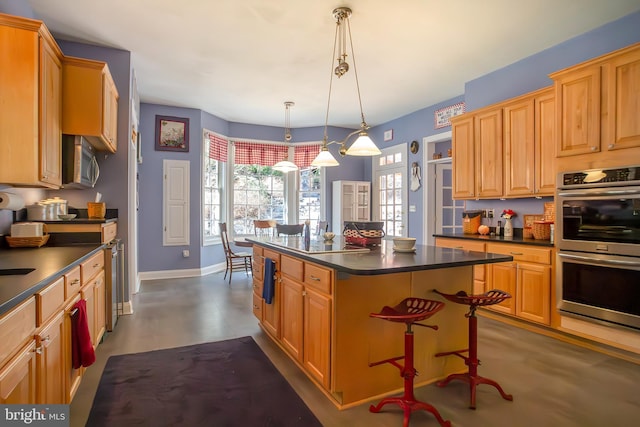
176, 274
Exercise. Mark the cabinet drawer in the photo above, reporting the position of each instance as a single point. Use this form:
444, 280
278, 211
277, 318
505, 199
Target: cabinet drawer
258, 286
90, 267
292, 267
258, 271
258, 254
109, 232
49, 300
72, 283
257, 305
318, 278
16, 327
275, 257
467, 245
522, 252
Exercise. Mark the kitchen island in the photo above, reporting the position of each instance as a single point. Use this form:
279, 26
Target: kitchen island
324, 293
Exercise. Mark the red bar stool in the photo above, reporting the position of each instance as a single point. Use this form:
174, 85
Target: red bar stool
471, 377
409, 311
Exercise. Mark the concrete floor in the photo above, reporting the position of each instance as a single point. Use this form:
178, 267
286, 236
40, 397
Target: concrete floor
553, 383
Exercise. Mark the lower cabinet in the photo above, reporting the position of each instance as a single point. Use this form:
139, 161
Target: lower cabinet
317, 335
292, 317
50, 362
72, 376
271, 312
479, 271
18, 377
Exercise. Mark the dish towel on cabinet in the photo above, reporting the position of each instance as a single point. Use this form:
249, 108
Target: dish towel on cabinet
268, 288
82, 353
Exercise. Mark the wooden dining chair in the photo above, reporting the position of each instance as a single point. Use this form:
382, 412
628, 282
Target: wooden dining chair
264, 227
235, 260
289, 229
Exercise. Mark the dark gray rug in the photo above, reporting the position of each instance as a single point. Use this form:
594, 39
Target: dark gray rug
225, 383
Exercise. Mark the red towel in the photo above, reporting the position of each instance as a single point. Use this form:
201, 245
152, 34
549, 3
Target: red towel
82, 353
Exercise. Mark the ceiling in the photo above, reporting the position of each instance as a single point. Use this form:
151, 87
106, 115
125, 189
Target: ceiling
241, 60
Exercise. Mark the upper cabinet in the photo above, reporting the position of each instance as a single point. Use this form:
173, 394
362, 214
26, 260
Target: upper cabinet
90, 102
30, 104
597, 111
506, 150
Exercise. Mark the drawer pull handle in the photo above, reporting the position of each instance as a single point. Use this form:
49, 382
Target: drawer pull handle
96, 265
516, 253
38, 350
75, 281
458, 247
317, 279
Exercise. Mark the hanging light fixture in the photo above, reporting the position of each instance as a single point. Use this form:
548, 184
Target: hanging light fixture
363, 145
286, 165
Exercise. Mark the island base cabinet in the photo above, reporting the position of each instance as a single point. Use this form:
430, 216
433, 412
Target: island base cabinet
317, 335
18, 378
292, 317
358, 339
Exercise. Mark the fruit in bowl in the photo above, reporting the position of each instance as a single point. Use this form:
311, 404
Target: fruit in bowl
483, 229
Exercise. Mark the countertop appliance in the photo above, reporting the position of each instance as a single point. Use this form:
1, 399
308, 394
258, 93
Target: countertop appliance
79, 164
598, 239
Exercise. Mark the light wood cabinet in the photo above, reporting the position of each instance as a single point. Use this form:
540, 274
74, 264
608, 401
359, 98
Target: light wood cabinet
528, 279
488, 146
50, 361
597, 111
18, 377
30, 118
351, 202
317, 335
479, 271
73, 376
257, 279
271, 312
464, 155
105, 231
292, 317
90, 102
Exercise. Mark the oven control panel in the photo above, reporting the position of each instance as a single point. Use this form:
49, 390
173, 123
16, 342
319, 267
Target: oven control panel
600, 177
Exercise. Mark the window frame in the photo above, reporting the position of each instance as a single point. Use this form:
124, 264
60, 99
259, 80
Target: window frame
214, 238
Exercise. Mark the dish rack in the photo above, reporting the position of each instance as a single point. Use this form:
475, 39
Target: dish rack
29, 242
363, 233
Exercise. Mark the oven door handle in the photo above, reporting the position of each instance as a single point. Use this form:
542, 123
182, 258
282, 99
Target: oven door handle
601, 261
600, 192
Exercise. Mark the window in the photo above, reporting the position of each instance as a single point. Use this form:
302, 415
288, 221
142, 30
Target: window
309, 196
214, 161
390, 189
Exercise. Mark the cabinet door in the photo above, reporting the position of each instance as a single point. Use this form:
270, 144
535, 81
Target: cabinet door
578, 111
72, 376
50, 362
50, 116
519, 144
110, 110
488, 148
623, 90
363, 211
271, 312
292, 303
463, 158
533, 293
18, 378
100, 308
88, 294
545, 143
317, 335
503, 276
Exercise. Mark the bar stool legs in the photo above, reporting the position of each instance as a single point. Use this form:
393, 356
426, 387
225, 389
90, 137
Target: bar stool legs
471, 377
408, 311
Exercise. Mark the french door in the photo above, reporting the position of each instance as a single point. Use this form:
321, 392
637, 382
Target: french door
390, 190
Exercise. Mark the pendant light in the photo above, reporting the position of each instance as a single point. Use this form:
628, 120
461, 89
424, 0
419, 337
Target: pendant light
363, 145
286, 165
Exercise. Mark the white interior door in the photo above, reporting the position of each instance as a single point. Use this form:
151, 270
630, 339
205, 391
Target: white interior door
175, 230
391, 190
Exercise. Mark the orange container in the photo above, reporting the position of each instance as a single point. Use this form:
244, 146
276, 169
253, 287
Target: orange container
96, 210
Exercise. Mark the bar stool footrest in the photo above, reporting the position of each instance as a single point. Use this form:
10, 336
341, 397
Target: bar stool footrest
409, 406
473, 381
391, 361
454, 353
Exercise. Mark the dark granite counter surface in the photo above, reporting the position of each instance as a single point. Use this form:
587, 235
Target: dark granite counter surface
380, 259
49, 263
500, 239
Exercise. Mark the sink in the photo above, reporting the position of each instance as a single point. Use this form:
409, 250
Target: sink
15, 271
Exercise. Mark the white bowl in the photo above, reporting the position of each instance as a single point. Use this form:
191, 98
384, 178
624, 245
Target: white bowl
404, 242
67, 216
328, 235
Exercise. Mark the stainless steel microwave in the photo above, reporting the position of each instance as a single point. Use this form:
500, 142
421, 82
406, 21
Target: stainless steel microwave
79, 164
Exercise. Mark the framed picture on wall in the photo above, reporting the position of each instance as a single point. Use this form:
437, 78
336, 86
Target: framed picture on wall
172, 134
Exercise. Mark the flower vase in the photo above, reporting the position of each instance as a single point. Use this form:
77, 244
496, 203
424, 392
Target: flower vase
508, 228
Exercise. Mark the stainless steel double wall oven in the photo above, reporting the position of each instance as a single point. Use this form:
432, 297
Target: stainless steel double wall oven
598, 240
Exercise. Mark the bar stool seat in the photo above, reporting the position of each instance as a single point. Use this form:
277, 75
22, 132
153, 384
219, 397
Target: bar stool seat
471, 377
408, 311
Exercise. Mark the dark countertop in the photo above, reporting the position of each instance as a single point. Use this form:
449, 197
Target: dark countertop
380, 259
500, 239
49, 263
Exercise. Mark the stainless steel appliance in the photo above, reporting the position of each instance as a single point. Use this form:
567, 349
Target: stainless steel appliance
79, 164
114, 265
598, 239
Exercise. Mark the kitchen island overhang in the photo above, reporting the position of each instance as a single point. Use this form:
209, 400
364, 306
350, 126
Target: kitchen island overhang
362, 283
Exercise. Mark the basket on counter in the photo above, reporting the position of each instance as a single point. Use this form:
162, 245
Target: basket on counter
471, 221
29, 242
363, 233
542, 230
